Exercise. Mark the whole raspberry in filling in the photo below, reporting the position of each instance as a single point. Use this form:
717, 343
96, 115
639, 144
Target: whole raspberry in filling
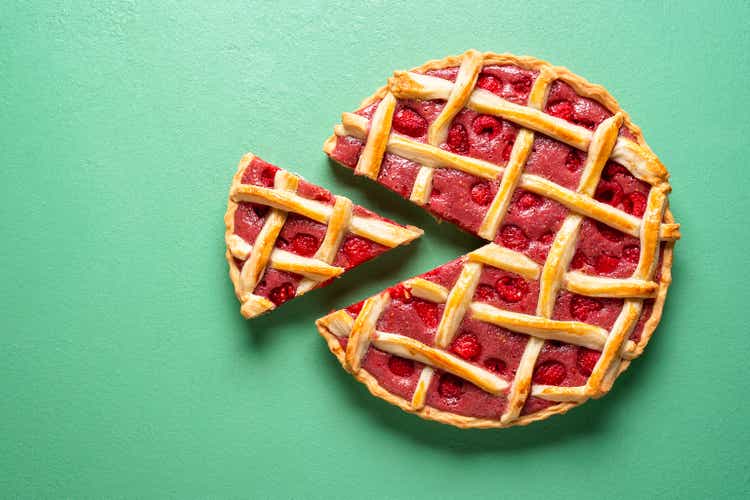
489, 83
606, 263
268, 175
486, 124
357, 250
561, 109
550, 373
400, 366
581, 307
579, 260
635, 203
466, 346
632, 254
450, 387
512, 289
574, 160
408, 122
528, 201
586, 360
613, 169
481, 194
427, 312
608, 192
514, 238
486, 293
458, 139
305, 244
522, 85
282, 293
496, 366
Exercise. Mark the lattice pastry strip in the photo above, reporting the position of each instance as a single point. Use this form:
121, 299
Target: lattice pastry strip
555, 106
271, 259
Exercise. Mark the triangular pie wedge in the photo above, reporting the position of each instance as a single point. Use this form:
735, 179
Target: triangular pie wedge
286, 236
548, 168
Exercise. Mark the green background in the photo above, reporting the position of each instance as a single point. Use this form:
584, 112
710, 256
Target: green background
125, 367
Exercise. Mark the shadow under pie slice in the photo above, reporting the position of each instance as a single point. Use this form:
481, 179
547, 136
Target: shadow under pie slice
286, 236
549, 169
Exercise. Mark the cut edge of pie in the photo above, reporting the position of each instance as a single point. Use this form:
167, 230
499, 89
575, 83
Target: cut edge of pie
338, 221
634, 154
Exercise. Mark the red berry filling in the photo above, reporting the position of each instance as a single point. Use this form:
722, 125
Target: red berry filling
305, 244
579, 260
512, 289
632, 254
528, 201
489, 83
356, 308
496, 366
481, 194
609, 192
514, 238
282, 293
635, 203
357, 250
561, 109
408, 122
400, 292
427, 312
450, 386
574, 160
581, 307
487, 125
609, 233
401, 367
268, 175
613, 169
466, 346
586, 360
606, 263
458, 139
550, 373
486, 293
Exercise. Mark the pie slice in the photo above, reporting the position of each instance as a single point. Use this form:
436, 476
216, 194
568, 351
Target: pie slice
551, 171
286, 236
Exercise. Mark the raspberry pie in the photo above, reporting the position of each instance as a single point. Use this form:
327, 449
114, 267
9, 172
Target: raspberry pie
551, 171
286, 236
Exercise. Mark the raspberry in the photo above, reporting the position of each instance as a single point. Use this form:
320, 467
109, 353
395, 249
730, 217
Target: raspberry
579, 260
466, 346
481, 194
486, 124
268, 175
608, 192
400, 366
550, 373
512, 289
357, 250
523, 84
586, 360
561, 109
428, 313
450, 386
400, 292
514, 238
612, 169
486, 293
547, 238
356, 308
507, 150
528, 201
305, 244
408, 122
490, 83
609, 233
632, 254
458, 139
574, 160
635, 204
260, 210
581, 307
282, 293
605, 263
495, 365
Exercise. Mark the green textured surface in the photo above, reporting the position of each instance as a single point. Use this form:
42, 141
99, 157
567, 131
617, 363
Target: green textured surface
126, 369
